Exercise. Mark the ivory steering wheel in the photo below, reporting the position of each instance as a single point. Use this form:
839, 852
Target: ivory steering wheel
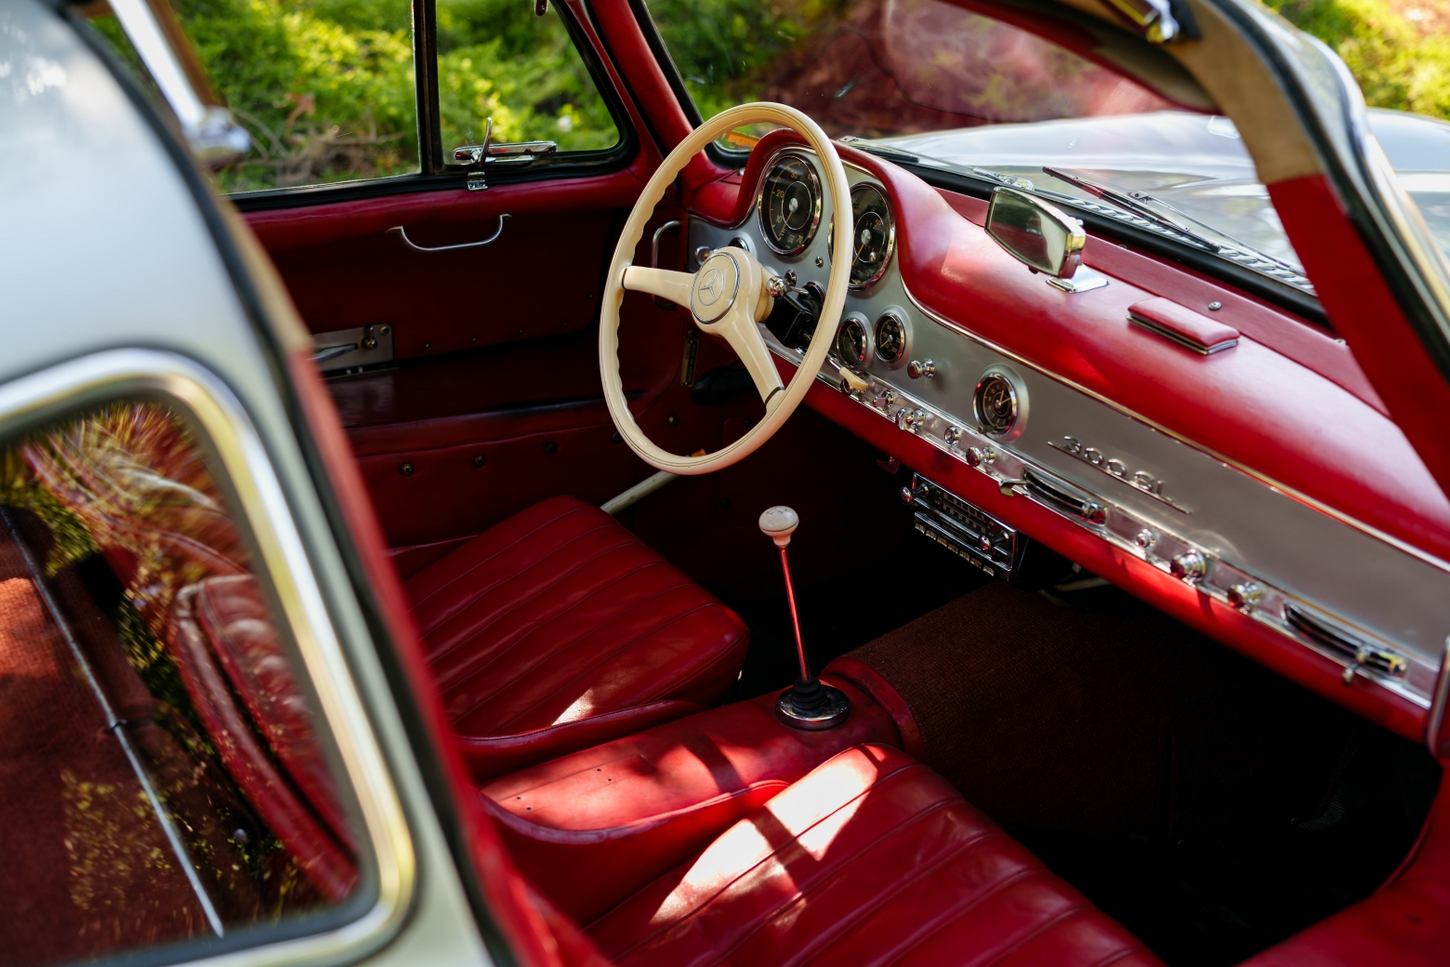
730, 294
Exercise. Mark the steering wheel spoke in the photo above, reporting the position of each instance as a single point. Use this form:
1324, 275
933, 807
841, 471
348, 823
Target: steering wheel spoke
665, 283
739, 329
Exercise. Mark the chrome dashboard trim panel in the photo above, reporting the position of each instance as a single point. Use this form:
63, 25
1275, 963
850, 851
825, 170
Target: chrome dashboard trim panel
229, 432
1290, 492
1263, 544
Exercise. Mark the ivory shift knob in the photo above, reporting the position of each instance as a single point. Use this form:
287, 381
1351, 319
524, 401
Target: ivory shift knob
778, 523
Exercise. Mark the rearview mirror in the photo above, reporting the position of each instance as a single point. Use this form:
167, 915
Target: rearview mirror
1039, 235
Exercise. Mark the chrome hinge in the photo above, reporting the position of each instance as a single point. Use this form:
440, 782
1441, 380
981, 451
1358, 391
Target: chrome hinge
489, 153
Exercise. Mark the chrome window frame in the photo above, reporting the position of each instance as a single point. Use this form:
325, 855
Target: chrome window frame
61, 390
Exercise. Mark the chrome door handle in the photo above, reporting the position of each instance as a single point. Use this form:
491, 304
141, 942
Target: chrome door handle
403, 234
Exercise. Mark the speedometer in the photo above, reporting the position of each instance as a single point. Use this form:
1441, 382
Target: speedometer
790, 205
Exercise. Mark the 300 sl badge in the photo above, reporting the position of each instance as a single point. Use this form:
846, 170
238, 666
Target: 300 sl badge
1113, 467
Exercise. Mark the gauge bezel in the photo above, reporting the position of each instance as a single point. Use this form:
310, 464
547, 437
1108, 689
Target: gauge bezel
900, 315
868, 331
814, 184
890, 232
1018, 393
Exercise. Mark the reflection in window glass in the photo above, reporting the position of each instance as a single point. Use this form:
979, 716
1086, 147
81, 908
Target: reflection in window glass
872, 68
325, 87
497, 59
161, 778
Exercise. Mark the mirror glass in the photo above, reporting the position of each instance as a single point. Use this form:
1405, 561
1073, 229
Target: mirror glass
1034, 232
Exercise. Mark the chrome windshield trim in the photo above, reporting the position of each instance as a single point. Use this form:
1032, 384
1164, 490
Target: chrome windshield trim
89, 380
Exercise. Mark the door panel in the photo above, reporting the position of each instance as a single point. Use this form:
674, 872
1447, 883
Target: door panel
496, 348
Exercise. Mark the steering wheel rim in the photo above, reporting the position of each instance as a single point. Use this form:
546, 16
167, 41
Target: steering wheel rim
704, 291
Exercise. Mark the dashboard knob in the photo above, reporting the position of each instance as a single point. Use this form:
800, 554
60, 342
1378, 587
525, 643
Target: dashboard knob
910, 495
1189, 567
1245, 596
976, 456
910, 420
916, 370
952, 435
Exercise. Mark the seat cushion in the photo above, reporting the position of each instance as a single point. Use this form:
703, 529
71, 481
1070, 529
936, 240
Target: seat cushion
869, 859
558, 615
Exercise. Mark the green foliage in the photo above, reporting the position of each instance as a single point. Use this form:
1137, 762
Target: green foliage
496, 59
1397, 65
326, 87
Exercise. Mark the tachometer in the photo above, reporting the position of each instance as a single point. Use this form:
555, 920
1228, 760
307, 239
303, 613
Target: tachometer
874, 236
790, 205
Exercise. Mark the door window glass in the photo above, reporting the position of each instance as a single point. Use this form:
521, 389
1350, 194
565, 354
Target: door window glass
497, 59
162, 775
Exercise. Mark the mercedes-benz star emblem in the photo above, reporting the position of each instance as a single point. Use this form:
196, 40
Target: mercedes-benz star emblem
711, 286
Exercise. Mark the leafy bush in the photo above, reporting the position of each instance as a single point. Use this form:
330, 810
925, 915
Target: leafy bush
326, 87
1397, 64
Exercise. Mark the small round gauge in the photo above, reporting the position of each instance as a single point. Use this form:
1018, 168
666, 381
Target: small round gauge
891, 337
995, 403
790, 205
853, 341
874, 235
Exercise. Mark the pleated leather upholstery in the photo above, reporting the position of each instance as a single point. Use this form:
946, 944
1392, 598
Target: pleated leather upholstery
869, 859
559, 614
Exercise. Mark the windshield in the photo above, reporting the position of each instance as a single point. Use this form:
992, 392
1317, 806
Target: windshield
930, 83
975, 95
1188, 168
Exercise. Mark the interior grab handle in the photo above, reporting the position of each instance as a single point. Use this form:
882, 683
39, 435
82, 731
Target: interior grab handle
403, 234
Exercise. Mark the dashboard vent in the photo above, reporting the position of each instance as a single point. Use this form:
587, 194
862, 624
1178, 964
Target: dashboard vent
1345, 643
1064, 497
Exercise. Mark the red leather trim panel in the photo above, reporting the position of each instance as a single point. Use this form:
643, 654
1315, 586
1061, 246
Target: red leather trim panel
491, 756
558, 614
1253, 405
869, 680
637, 64
591, 828
1163, 591
1365, 312
1404, 923
869, 859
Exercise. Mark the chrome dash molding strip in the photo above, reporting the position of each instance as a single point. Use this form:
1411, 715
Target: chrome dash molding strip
1248, 471
105, 376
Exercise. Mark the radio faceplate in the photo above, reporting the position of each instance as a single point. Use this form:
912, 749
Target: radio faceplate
965, 529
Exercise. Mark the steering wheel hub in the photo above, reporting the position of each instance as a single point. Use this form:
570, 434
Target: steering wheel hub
715, 288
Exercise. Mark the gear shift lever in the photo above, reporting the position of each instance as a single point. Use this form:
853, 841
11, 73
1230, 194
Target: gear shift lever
807, 704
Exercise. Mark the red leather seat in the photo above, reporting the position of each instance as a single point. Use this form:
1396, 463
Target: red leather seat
869, 859
559, 629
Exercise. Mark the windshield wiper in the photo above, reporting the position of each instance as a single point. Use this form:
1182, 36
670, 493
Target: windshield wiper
880, 150
1130, 204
